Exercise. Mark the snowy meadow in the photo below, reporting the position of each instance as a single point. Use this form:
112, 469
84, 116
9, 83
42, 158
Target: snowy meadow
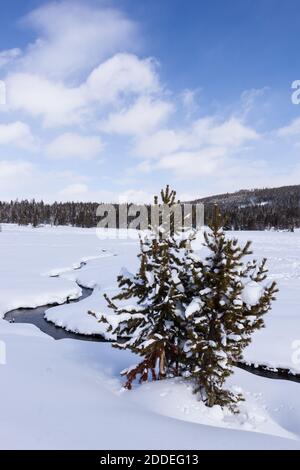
68, 393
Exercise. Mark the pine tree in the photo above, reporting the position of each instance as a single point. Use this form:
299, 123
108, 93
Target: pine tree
230, 305
152, 326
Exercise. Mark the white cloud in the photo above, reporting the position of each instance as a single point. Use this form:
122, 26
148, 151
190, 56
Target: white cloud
121, 75
71, 145
231, 133
17, 134
17, 179
142, 117
137, 196
73, 192
194, 151
74, 37
292, 129
189, 101
24, 179
75, 67
14, 169
8, 56
81, 192
160, 143
60, 105
249, 99
191, 164
39, 97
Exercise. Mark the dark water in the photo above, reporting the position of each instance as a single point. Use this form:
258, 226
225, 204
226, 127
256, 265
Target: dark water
35, 316
263, 371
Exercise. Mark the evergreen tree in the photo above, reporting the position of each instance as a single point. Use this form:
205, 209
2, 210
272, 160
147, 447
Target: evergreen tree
229, 306
153, 323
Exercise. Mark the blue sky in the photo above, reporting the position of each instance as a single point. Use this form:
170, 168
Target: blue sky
110, 100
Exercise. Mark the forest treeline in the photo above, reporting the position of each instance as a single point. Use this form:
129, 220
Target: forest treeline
257, 209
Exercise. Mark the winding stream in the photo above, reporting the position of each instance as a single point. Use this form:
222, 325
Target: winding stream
36, 316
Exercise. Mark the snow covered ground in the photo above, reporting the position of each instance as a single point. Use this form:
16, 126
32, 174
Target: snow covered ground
30, 260
67, 393
277, 345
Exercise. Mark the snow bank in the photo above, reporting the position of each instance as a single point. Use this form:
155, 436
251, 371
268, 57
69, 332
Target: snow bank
67, 395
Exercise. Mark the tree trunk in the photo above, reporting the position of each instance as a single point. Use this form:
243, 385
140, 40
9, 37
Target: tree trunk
162, 364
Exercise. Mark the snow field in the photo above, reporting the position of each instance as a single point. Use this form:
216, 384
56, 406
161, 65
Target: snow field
68, 393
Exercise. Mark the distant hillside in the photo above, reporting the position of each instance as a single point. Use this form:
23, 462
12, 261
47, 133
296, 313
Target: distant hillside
258, 209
